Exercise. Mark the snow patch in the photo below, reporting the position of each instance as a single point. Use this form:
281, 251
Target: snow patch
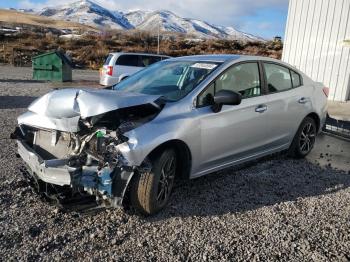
89, 13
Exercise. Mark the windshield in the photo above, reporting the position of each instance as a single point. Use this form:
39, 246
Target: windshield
170, 79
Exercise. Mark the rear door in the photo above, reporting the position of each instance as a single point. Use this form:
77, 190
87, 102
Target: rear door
288, 102
127, 64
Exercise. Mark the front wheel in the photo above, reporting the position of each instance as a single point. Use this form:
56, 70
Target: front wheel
304, 139
150, 192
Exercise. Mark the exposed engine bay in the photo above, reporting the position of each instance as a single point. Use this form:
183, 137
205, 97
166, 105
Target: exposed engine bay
87, 161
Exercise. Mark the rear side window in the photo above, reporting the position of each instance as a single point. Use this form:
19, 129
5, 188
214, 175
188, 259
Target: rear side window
149, 60
296, 79
108, 59
278, 77
128, 60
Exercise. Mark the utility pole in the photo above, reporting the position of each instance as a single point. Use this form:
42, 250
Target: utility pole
158, 38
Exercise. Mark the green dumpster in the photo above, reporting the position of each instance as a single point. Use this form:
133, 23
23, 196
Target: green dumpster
52, 66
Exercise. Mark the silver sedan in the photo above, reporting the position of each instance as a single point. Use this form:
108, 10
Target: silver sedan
177, 119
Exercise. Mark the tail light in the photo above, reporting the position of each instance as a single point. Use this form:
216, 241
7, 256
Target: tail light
326, 91
109, 70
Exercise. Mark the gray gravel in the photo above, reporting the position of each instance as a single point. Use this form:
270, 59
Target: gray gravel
274, 209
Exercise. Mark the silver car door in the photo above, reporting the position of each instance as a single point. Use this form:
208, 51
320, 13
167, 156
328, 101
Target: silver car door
289, 101
235, 133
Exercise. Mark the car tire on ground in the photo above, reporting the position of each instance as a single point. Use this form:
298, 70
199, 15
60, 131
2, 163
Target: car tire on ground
304, 139
150, 191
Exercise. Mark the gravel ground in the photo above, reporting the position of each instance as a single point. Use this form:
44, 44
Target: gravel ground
274, 209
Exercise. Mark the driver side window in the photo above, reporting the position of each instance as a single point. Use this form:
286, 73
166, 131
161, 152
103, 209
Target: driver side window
243, 78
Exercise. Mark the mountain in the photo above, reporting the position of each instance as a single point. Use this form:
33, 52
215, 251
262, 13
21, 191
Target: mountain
235, 34
89, 13
137, 17
23, 10
168, 21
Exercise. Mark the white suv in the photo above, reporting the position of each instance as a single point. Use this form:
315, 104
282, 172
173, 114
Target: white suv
119, 66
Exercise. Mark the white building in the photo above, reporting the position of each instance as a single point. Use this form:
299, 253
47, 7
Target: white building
317, 41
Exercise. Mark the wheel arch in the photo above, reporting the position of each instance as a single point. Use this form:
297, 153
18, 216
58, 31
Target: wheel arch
183, 153
316, 118
123, 77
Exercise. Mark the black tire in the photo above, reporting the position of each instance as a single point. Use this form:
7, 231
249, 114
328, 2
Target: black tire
146, 189
304, 139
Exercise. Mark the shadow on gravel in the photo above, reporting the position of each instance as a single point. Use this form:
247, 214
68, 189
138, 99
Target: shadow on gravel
13, 102
260, 184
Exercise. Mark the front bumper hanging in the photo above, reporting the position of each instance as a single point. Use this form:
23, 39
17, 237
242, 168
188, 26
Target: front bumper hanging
109, 186
49, 171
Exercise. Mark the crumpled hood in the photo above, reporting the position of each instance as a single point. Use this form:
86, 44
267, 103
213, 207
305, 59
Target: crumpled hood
68, 103
62, 109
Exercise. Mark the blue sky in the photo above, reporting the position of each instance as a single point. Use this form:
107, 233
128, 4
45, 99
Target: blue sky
266, 18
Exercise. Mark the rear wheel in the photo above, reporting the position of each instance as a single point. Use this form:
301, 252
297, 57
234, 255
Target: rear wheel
304, 139
150, 192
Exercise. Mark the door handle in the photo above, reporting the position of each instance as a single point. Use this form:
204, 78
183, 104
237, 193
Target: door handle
303, 100
261, 108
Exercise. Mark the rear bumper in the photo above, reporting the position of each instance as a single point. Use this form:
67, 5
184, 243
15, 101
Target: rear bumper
107, 80
50, 171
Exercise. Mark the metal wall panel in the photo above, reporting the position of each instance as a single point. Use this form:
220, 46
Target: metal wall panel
314, 42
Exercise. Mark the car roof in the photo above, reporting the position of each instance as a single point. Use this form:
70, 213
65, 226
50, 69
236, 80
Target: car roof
222, 58
145, 54
212, 58
227, 58
218, 58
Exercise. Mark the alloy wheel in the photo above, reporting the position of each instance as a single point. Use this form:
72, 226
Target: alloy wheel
307, 138
166, 180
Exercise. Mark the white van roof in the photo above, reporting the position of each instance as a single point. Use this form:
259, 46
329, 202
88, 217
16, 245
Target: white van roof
144, 54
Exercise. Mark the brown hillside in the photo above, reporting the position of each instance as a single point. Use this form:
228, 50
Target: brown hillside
13, 17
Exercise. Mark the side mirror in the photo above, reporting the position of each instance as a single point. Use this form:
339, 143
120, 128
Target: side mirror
225, 97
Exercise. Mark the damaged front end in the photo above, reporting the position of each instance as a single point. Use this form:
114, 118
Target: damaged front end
70, 151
